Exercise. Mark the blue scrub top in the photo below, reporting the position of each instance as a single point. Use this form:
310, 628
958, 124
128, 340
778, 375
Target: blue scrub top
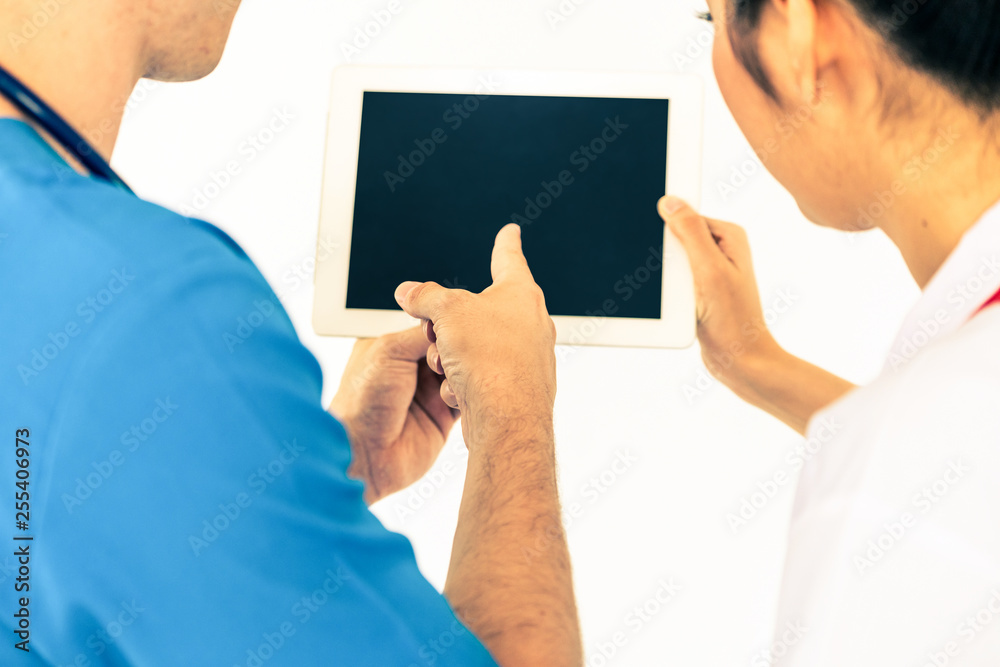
187, 492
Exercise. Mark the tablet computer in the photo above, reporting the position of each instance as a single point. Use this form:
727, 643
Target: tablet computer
424, 166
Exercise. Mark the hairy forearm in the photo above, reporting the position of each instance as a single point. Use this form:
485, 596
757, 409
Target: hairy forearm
510, 579
787, 387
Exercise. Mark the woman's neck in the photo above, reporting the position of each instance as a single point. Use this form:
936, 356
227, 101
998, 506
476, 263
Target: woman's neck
949, 180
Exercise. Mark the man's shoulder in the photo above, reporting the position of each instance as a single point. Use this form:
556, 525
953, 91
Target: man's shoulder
129, 224
98, 267
69, 230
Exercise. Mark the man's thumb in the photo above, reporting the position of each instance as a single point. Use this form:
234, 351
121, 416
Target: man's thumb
408, 345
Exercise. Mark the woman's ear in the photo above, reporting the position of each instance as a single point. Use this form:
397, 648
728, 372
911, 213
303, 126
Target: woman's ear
789, 48
801, 16
815, 48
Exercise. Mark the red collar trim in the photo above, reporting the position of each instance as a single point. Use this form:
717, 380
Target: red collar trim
995, 299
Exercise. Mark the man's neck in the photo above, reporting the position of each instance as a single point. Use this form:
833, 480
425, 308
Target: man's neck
83, 65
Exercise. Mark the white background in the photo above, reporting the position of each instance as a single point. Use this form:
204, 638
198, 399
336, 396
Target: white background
697, 456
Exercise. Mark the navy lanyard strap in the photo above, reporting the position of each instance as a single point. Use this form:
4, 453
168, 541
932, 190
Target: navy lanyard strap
24, 99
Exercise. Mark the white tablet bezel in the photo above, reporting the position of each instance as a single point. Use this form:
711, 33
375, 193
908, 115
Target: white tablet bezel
331, 317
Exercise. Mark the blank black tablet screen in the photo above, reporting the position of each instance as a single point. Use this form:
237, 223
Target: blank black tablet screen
439, 175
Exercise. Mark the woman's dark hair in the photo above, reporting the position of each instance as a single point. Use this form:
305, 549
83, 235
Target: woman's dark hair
955, 41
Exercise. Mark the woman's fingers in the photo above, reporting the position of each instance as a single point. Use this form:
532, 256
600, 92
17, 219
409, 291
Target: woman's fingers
691, 229
732, 241
706, 241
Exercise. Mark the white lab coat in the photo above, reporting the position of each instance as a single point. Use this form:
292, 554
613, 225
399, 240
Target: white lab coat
894, 549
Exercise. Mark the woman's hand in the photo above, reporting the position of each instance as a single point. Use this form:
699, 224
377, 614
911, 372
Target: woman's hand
735, 344
731, 327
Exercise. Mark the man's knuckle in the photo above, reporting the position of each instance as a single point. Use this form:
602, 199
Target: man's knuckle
410, 297
450, 299
535, 294
417, 293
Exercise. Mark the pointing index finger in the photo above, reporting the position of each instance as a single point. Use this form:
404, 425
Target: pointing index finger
508, 259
